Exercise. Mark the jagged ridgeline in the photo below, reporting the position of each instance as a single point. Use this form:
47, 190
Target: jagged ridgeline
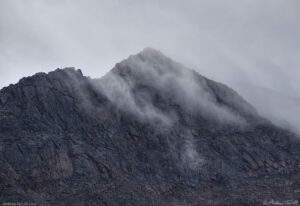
149, 132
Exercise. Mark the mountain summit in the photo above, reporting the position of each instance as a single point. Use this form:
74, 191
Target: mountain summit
141, 77
149, 132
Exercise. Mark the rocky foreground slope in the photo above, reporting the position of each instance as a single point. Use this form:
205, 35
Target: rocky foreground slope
150, 132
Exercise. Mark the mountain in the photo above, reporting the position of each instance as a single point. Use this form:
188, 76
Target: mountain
149, 132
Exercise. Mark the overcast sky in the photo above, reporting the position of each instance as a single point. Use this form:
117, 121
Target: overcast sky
243, 43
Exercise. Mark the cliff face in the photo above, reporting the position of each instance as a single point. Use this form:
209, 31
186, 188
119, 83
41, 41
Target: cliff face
150, 132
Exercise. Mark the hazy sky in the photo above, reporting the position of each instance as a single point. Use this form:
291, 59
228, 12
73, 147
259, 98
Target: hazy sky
243, 43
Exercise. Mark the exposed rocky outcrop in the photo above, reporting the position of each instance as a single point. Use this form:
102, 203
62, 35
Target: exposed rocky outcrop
150, 132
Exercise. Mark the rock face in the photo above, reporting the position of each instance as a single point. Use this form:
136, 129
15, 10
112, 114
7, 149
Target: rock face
150, 132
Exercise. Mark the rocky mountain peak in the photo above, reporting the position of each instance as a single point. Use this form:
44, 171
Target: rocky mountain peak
150, 132
148, 59
141, 78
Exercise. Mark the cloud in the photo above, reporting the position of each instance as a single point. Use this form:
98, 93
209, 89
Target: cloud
242, 43
282, 109
134, 84
120, 92
190, 156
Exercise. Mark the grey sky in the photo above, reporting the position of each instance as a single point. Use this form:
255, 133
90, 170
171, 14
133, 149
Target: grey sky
243, 43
